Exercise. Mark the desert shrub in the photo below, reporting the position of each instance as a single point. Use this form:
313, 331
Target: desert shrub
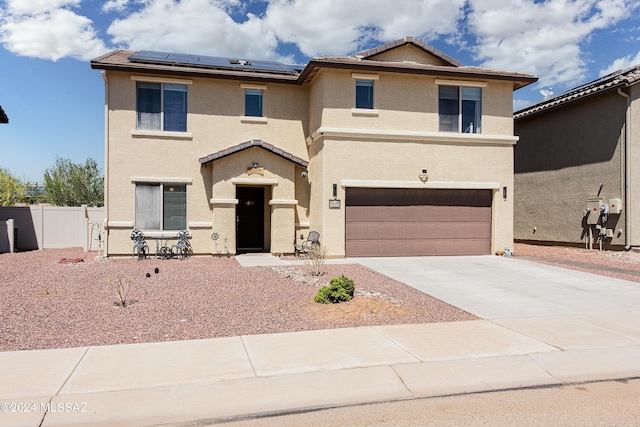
315, 259
339, 289
122, 286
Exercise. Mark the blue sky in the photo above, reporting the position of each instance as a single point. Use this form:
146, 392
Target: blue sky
55, 102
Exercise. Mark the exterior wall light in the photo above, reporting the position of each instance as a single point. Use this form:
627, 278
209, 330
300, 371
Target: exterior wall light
423, 176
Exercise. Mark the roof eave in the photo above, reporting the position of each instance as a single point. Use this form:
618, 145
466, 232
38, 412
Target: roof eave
210, 73
519, 80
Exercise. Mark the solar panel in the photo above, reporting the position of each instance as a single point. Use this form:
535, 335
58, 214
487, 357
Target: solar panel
213, 62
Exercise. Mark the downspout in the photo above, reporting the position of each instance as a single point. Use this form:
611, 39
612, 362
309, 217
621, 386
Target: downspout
106, 163
627, 172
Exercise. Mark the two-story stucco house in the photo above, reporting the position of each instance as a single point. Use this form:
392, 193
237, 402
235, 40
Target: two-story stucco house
399, 150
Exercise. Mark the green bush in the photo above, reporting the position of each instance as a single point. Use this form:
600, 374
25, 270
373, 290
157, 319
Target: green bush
339, 289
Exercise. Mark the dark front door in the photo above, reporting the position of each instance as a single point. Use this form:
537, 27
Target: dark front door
250, 219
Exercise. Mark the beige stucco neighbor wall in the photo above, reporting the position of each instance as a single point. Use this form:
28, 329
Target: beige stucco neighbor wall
214, 122
561, 160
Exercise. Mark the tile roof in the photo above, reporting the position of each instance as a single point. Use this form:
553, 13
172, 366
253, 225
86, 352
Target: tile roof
253, 143
3, 116
626, 77
119, 61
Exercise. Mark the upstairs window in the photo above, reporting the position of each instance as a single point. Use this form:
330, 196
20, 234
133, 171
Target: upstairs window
161, 207
364, 94
253, 102
161, 106
460, 109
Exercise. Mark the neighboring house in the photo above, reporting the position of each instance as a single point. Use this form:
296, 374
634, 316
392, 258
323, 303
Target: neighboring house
399, 150
576, 155
3, 116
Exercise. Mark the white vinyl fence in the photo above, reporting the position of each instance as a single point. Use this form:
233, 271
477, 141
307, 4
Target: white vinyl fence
24, 228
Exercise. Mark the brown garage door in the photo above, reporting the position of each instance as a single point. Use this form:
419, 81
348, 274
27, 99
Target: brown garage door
412, 222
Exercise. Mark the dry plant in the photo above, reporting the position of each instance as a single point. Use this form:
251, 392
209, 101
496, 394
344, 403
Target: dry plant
315, 259
122, 286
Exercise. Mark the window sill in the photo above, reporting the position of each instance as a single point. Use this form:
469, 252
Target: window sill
160, 234
364, 112
161, 134
251, 119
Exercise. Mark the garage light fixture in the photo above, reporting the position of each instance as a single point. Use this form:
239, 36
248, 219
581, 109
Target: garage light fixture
423, 176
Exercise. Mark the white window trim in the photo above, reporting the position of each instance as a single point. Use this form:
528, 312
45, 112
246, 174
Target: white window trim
467, 83
365, 112
161, 134
161, 80
359, 76
253, 86
253, 119
160, 180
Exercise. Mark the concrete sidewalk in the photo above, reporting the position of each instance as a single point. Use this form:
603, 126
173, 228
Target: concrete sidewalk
224, 378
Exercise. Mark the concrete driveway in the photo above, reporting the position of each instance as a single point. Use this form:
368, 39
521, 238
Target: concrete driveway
501, 288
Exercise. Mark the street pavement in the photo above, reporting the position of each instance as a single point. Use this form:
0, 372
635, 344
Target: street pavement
544, 326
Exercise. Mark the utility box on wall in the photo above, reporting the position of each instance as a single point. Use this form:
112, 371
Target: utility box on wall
593, 210
615, 206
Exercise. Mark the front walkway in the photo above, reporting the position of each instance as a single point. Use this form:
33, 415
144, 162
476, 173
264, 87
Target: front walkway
226, 378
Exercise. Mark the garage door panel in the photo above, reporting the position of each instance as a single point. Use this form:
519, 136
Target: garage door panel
418, 231
418, 213
412, 222
433, 247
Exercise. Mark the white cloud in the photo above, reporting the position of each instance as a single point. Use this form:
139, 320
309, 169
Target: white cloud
541, 38
339, 27
195, 26
621, 64
316, 27
46, 29
115, 6
23, 7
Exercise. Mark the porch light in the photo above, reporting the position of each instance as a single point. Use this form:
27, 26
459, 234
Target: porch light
423, 176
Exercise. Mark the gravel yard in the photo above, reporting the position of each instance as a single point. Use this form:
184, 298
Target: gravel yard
45, 304
618, 264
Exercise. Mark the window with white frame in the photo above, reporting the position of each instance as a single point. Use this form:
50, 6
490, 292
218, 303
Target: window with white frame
364, 94
161, 106
161, 206
460, 109
253, 102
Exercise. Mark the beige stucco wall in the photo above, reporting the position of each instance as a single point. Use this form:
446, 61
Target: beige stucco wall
403, 102
408, 53
215, 109
561, 159
398, 163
